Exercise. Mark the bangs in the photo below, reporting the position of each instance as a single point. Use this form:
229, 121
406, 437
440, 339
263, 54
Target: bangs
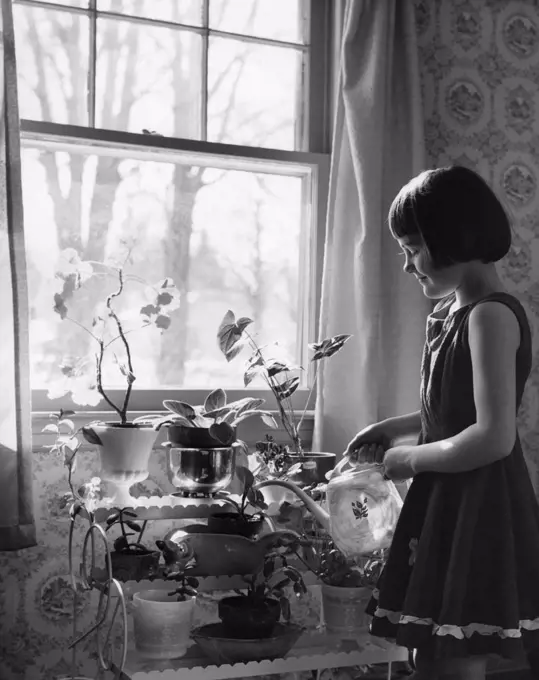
402, 216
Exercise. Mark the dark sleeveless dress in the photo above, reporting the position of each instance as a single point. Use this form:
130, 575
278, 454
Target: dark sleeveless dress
462, 575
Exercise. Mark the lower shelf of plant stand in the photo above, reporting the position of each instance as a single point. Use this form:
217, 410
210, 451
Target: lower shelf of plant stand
313, 651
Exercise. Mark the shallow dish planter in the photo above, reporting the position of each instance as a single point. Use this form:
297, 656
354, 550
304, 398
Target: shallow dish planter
214, 642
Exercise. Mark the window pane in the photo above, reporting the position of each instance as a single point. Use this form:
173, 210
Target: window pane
178, 11
230, 239
276, 19
148, 78
253, 93
52, 62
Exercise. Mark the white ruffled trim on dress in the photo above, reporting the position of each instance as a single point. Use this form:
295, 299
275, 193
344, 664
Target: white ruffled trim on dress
459, 632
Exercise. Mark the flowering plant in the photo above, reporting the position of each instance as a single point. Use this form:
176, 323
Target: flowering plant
83, 376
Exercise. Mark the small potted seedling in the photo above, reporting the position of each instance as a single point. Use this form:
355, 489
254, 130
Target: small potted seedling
248, 518
347, 586
255, 613
131, 560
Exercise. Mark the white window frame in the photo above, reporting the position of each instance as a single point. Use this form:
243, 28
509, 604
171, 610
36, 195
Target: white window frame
314, 136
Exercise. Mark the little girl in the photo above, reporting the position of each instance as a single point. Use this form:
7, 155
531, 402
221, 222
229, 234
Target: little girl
462, 577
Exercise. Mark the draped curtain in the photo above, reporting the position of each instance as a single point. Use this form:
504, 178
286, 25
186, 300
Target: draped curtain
377, 147
17, 528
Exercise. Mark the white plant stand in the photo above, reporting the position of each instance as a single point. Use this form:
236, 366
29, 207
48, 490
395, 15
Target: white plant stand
315, 650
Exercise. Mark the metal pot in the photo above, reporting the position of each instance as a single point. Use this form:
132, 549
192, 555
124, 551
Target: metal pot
201, 470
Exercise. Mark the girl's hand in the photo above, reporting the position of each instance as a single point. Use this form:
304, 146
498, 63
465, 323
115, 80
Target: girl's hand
399, 463
366, 444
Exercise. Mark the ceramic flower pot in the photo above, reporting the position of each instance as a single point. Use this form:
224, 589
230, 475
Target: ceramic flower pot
344, 609
162, 625
125, 452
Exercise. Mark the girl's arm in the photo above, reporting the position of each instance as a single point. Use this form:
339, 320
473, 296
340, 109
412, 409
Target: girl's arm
494, 337
402, 426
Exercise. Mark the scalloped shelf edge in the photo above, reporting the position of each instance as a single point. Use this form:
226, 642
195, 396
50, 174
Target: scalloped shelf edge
168, 501
289, 664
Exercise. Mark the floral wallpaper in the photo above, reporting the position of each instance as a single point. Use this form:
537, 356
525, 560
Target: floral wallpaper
480, 76
480, 80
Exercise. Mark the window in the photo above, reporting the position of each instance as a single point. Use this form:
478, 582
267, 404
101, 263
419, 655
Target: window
195, 130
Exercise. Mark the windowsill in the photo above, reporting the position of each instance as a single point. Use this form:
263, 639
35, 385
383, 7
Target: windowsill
250, 431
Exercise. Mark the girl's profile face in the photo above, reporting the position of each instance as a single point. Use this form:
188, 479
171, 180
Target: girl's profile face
436, 282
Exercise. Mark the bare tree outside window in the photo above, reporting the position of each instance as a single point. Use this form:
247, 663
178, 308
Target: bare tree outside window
229, 237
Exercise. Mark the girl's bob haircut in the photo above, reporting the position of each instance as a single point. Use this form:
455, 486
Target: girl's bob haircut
456, 214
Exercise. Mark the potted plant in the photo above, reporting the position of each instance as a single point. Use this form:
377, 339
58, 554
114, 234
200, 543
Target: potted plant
243, 521
124, 446
256, 612
163, 619
130, 559
347, 585
202, 446
209, 425
233, 335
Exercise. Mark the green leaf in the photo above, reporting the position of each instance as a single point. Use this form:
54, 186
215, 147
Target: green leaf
249, 404
214, 400
292, 574
180, 407
269, 566
255, 366
201, 421
285, 608
219, 412
245, 476
68, 423
111, 519
328, 347
149, 310
269, 420
274, 367
91, 436
51, 427
230, 334
223, 432
133, 525
163, 321
287, 388
121, 544
75, 509
60, 306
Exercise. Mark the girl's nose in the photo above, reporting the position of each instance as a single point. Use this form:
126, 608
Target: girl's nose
409, 267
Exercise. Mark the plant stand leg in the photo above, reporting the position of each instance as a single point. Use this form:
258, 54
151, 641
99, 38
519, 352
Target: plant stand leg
389, 667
